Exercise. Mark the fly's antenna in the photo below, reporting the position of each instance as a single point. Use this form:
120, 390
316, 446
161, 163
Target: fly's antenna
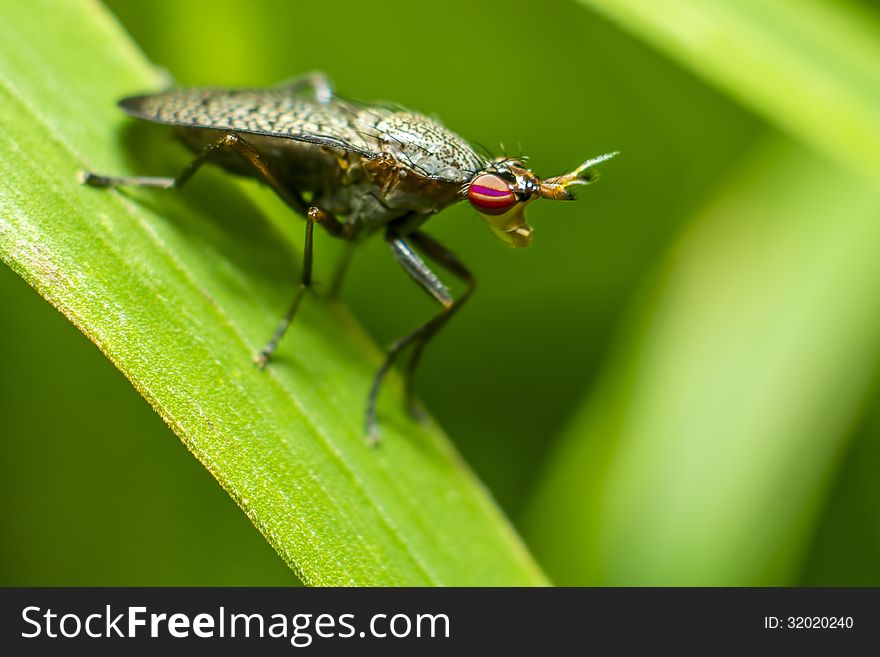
556, 188
596, 160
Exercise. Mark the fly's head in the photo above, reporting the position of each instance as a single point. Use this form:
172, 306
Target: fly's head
501, 192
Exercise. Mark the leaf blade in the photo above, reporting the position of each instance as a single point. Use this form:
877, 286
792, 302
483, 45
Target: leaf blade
175, 306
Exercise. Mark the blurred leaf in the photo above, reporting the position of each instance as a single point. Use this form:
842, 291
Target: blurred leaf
179, 298
847, 541
704, 456
810, 66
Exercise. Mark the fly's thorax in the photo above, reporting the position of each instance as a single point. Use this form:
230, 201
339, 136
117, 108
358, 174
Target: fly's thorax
400, 188
373, 192
423, 145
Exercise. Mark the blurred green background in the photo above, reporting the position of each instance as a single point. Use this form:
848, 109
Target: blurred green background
676, 384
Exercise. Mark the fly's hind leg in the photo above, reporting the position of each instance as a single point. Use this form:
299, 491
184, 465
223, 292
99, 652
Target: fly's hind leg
229, 141
421, 274
164, 182
262, 171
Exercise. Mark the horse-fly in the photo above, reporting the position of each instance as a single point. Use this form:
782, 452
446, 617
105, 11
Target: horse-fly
380, 168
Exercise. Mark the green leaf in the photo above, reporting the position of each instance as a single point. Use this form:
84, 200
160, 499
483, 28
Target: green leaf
810, 66
705, 454
180, 289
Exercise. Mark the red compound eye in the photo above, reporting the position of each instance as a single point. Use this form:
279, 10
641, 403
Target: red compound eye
490, 194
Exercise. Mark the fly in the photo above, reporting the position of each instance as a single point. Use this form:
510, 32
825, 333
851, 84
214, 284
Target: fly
354, 169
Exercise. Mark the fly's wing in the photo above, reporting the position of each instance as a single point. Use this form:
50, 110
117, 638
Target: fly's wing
278, 112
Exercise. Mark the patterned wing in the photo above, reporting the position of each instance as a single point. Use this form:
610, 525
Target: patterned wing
273, 112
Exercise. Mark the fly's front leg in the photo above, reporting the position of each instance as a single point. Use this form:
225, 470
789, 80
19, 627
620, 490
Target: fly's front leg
450, 262
421, 274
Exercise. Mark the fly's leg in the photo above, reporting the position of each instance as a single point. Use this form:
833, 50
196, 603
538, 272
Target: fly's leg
229, 141
421, 274
334, 227
317, 82
450, 262
96, 180
262, 172
312, 214
163, 182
